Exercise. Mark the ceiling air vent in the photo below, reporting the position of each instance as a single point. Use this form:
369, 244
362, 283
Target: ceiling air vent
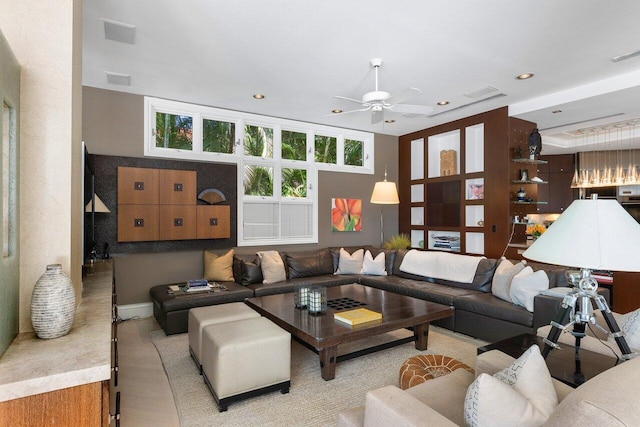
118, 78
480, 92
119, 32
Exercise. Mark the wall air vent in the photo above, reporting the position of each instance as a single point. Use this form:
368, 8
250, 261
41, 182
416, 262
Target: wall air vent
480, 92
498, 95
118, 78
625, 56
119, 32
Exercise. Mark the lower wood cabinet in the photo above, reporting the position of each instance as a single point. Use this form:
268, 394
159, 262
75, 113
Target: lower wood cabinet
84, 405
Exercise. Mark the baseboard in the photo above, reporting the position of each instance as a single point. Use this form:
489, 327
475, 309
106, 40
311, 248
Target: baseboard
140, 310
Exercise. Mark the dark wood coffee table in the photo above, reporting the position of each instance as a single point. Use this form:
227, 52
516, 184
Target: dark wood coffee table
323, 333
561, 362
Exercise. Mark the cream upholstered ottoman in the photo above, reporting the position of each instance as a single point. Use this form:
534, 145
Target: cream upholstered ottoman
200, 317
245, 358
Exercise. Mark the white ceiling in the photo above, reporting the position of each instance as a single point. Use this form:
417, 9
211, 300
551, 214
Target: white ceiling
299, 54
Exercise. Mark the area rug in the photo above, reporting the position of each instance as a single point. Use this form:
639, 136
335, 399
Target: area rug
311, 400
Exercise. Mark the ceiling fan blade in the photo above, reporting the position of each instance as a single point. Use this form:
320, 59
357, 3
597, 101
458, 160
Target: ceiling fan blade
412, 109
347, 112
377, 116
357, 101
403, 96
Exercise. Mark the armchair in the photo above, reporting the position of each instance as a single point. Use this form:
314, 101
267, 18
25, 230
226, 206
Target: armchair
608, 399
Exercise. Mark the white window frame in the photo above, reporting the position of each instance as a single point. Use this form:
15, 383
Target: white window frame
199, 112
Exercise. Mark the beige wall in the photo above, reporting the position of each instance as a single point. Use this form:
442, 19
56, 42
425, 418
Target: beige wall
112, 124
45, 37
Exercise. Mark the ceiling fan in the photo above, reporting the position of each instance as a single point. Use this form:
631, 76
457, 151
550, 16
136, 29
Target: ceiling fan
379, 101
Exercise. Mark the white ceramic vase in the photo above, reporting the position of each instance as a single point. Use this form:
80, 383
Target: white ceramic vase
53, 303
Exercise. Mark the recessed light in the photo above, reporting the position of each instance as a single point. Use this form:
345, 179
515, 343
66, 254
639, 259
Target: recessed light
258, 96
556, 111
336, 111
525, 76
390, 121
443, 102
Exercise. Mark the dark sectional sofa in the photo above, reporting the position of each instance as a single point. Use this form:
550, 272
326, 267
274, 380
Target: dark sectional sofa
478, 312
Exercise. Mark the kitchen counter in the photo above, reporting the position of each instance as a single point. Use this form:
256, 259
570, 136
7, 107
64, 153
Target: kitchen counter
33, 366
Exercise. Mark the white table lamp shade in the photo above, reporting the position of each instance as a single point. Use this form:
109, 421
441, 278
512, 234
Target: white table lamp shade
593, 234
385, 193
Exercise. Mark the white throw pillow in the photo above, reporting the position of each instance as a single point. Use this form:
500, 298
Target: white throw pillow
501, 281
524, 287
350, 264
272, 267
520, 395
631, 329
374, 267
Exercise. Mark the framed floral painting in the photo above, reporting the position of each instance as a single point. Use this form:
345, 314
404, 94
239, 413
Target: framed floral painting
346, 214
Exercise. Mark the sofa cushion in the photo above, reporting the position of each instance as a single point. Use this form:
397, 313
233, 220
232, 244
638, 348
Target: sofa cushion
308, 264
374, 266
522, 394
417, 288
335, 254
631, 328
350, 263
389, 255
504, 273
486, 304
481, 280
218, 267
272, 267
605, 400
246, 269
524, 287
289, 284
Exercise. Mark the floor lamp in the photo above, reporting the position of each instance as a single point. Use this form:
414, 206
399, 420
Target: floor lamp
590, 235
384, 193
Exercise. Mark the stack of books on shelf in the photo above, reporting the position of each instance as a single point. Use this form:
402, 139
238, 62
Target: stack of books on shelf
446, 243
197, 285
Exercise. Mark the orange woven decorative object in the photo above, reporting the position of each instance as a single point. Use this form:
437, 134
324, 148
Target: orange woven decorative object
419, 369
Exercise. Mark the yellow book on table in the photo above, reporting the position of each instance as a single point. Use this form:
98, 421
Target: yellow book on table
357, 316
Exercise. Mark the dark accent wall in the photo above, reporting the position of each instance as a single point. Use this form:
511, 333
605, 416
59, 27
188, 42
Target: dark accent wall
221, 176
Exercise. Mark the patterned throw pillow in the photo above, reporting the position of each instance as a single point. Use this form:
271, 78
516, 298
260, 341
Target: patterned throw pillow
218, 268
520, 395
631, 329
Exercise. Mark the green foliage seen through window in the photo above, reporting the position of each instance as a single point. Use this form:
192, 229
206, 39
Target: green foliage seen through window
174, 131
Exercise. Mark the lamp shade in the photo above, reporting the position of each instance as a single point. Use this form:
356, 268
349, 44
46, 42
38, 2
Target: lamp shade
385, 193
592, 234
100, 206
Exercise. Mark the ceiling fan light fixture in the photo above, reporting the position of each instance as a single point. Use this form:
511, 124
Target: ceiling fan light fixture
524, 76
258, 96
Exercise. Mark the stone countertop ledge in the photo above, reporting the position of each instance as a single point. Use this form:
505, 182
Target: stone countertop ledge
32, 365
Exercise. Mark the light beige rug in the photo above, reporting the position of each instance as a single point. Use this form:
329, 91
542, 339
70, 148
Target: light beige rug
311, 401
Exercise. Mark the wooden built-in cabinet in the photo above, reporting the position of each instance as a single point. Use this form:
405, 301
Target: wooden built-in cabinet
160, 204
454, 184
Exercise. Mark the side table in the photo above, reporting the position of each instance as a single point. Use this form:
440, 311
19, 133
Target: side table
561, 362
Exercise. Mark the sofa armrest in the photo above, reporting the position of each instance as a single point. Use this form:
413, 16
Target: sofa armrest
390, 406
492, 361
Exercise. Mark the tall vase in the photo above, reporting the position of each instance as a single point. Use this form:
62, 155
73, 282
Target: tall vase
53, 303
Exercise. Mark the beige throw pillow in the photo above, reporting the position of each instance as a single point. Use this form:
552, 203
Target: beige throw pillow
502, 278
525, 287
520, 395
218, 267
272, 267
374, 266
350, 264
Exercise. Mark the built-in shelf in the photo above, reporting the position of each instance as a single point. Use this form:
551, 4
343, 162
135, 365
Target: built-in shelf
531, 162
517, 202
519, 181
